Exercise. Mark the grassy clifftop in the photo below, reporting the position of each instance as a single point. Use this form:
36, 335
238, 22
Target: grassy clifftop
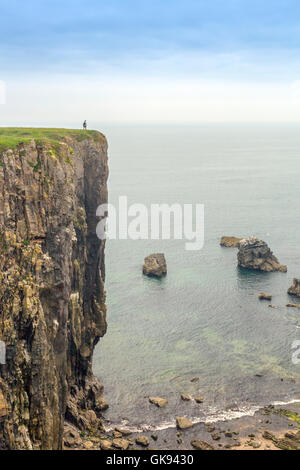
11, 137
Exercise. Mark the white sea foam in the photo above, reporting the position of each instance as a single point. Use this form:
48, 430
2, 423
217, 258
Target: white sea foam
282, 403
213, 416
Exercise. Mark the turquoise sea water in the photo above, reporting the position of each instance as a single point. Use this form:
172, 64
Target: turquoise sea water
204, 319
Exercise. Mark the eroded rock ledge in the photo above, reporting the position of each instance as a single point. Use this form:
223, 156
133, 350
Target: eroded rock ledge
52, 298
230, 242
255, 254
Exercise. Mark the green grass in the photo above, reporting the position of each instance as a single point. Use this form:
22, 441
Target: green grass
291, 415
11, 137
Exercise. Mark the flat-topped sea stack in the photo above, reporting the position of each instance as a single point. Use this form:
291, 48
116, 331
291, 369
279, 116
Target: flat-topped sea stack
256, 255
295, 288
155, 265
230, 242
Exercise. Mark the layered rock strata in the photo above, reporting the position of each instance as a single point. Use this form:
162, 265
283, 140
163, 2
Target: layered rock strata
52, 298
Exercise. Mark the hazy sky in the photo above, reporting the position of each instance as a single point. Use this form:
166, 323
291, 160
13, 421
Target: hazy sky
149, 60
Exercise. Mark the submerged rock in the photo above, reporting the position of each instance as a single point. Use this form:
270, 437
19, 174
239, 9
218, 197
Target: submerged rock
183, 423
263, 296
160, 402
198, 399
230, 242
185, 397
155, 265
255, 254
295, 288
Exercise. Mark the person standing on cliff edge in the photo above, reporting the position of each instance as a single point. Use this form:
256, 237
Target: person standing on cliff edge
85, 125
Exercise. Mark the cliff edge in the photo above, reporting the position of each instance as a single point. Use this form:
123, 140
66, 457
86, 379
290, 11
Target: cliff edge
52, 298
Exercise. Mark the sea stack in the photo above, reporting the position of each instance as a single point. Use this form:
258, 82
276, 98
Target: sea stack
256, 255
155, 265
295, 288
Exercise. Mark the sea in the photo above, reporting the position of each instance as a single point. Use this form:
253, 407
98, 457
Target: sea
202, 321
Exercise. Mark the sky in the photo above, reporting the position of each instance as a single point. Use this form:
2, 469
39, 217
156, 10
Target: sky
141, 61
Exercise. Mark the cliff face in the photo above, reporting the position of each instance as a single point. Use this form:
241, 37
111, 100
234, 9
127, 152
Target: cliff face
52, 298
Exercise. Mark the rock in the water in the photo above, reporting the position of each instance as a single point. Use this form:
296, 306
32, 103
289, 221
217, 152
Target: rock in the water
183, 423
295, 288
230, 242
293, 305
263, 296
201, 445
185, 397
198, 399
121, 444
195, 379
155, 265
255, 254
160, 402
142, 441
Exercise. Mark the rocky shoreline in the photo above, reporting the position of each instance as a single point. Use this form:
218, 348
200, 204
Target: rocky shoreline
270, 428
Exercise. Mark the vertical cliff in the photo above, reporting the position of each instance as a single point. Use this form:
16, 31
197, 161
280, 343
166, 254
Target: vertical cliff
52, 298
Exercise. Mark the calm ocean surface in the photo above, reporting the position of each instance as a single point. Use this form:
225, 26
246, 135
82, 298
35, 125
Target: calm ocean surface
204, 319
